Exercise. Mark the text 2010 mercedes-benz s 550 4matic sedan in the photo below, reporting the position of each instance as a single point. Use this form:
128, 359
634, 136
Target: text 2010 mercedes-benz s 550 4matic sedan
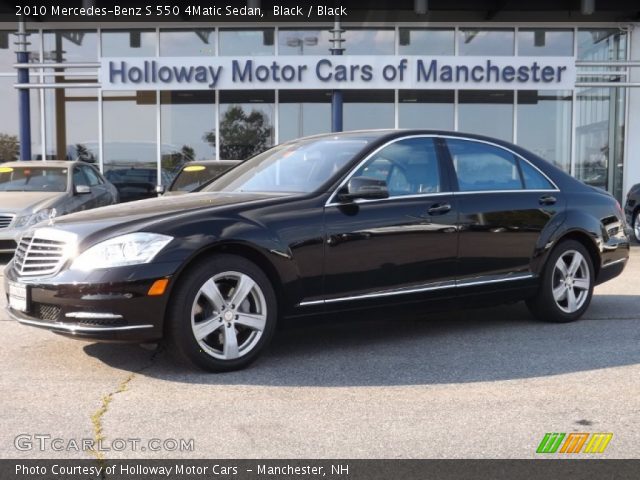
323, 224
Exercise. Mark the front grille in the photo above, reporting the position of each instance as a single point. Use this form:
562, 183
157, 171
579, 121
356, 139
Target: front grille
5, 220
44, 311
102, 322
40, 253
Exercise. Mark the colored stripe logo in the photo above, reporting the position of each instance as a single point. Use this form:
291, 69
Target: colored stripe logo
574, 442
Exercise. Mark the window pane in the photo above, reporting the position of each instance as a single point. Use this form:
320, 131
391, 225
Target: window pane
188, 43
486, 112
365, 109
483, 167
602, 44
408, 166
475, 41
303, 113
70, 46
303, 42
369, 41
533, 179
9, 142
422, 41
247, 42
130, 143
426, 109
8, 49
68, 138
128, 43
246, 123
544, 42
544, 125
187, 127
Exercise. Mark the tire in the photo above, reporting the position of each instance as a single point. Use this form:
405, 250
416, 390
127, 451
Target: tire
566, 287
207, 328
636, 225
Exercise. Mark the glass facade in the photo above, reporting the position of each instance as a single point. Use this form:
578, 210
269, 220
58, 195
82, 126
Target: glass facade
582, 130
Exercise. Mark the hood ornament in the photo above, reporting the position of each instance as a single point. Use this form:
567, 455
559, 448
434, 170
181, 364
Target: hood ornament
52, 216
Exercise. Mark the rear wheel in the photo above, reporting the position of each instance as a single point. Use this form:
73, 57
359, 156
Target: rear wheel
636, 225
567, 284
222, 315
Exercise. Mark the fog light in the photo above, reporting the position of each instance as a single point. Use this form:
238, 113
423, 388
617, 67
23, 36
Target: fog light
158, 288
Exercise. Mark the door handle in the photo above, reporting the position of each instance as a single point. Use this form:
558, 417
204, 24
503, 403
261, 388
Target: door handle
547, 200
439, 208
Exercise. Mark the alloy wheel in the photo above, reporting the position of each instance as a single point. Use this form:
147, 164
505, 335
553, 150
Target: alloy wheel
229, 315
636, 226
571, 281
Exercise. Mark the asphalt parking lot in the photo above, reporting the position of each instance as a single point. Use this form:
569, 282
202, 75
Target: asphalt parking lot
467, 384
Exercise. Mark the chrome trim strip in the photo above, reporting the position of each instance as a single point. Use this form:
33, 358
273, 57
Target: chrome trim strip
441, 286
73, 328
92, 315
332, 203
615, 262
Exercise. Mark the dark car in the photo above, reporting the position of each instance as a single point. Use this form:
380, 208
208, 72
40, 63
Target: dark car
193, 175
320, 225
135, 183
33, 191
632, 210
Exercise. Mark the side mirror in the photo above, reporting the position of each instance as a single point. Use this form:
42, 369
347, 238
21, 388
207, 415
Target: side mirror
160, 189
82, 189
366, 188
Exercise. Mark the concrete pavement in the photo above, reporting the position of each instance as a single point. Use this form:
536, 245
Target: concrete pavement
468, 384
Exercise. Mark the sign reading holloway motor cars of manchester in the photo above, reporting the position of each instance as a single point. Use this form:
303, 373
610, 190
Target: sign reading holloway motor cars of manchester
337, 72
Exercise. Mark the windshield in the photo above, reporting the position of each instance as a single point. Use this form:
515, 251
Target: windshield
33, 179
192, 176
296, 167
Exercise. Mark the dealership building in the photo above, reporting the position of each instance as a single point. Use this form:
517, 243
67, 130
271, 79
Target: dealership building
558, 78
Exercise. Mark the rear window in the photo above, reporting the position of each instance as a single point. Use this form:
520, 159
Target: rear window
33, 179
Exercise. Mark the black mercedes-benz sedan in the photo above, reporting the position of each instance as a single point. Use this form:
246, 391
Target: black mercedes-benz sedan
324, 224
632, 209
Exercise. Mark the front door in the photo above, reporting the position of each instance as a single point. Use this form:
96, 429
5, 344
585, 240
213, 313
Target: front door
403, 246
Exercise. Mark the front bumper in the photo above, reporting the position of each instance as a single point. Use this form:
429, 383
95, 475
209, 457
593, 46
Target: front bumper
107, 305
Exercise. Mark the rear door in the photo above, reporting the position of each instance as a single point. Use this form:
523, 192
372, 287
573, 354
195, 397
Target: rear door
504, 204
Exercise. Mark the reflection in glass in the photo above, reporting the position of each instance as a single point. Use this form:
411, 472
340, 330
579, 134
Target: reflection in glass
188, 43
68, 138
70, 46
128, 43
426, 109
423, 41
545, 42
544, 125
358, 41
602, 44
365, 41
246, 123
486, 112
130, 143
600, 138
187, 119
368, 109
303, 42
257, 41
9, 141
303, 112
476, 41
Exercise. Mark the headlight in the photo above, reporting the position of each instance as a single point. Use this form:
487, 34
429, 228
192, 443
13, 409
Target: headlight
41, 216
130, 249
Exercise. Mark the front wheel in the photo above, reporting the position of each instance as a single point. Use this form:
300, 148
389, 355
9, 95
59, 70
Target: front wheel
566, 286
636, 226
222, 314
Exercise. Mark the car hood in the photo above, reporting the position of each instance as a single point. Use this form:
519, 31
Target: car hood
27, 202
142, 214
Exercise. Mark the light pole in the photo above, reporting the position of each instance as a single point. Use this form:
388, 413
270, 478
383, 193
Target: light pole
24, 107
336, 96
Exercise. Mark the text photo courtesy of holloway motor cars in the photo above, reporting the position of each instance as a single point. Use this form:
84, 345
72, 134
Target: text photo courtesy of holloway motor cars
259, 238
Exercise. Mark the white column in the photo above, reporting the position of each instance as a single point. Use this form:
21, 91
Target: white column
632, 151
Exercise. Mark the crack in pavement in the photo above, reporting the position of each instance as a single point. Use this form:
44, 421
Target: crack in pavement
97, 416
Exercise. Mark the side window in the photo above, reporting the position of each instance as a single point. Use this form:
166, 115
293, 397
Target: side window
79, 177
409, 167
533, 179
482, 167
91, 176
